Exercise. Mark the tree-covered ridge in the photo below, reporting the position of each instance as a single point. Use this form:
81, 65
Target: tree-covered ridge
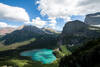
86, 56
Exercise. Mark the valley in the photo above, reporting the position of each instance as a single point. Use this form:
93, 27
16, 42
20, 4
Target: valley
11, 47
29, 46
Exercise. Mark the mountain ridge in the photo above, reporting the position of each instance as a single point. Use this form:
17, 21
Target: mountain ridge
6, 30
77, 33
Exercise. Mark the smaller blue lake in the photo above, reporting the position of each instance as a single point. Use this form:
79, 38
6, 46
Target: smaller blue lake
45, 56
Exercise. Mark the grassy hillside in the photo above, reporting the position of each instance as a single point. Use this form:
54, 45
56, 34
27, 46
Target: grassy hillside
45, 41
10, 54
15, 45
25, 63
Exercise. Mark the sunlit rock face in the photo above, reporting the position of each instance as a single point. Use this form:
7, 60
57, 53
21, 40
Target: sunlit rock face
93, 19
49, 31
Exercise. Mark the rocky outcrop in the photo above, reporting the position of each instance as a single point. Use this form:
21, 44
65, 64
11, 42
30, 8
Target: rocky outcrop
93, 19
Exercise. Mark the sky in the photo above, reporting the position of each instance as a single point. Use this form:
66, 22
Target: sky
45, 13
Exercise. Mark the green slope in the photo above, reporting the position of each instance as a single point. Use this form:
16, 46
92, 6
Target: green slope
10, 54
86, 56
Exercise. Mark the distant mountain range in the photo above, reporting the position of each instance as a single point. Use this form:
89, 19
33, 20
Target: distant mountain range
24, 33
6, 30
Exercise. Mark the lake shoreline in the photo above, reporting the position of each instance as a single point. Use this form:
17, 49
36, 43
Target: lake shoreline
46, 56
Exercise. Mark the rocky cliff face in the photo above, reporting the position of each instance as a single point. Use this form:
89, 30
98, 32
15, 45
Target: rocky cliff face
74, 27
93, 19
77, 32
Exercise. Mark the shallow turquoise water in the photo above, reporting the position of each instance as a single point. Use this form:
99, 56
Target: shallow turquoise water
43, 55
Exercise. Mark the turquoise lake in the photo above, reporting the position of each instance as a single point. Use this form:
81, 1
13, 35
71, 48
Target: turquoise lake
45, 56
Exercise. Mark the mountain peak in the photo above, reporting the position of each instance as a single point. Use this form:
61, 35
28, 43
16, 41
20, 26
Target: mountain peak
74, 27
23, 33
75, 22
20, 27
93, 14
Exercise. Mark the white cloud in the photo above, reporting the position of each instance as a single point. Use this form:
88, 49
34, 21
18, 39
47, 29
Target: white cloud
13, 13
66, 8
52, 23
3, 24
38, 22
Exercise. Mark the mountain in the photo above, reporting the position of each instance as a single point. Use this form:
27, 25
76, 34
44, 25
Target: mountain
83, 40
30, 28
86, 56
6, 30
77, 32
93, 19
23, 33
74, 27
25, 38
28, 37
